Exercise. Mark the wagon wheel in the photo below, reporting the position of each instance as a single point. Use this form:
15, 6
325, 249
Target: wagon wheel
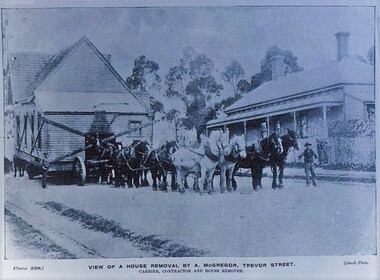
79, 168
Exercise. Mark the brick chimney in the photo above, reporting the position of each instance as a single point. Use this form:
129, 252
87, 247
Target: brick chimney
342, 40
278, 66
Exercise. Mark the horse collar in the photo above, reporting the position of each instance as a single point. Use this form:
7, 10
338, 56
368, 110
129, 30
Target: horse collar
209, 153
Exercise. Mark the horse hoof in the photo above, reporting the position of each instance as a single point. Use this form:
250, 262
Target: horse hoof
221, 190
281, 186
230, 190
181, 191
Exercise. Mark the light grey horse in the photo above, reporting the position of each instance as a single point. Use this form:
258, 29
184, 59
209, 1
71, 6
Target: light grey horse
235, 150
201, 161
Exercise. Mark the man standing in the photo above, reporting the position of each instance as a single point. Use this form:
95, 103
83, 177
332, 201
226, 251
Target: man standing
309, 156
263, 130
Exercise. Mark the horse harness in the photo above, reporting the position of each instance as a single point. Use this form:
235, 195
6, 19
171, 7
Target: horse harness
230, 157
132, 152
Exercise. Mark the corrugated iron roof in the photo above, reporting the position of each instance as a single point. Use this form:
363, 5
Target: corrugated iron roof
316, 101
79, 69
345, 71
24, 68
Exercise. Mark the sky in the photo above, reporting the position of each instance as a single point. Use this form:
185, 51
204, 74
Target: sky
222, 33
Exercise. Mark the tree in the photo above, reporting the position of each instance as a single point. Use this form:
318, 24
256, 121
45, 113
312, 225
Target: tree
231, 75
173, 117
198, 114
256, 80
156, 106
265, 74
175, 81
243, 86
144, 75
201, 66
193, 81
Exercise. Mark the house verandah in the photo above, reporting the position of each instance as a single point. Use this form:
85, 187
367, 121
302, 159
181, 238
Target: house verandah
331, 106
309, 115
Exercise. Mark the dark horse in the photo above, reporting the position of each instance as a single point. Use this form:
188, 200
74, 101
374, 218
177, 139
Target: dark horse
160, 164
129, 162
20, 165
289, 140
258, 158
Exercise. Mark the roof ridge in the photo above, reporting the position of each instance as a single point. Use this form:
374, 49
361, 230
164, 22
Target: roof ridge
338, 67
57, 59
50, 66
116, 74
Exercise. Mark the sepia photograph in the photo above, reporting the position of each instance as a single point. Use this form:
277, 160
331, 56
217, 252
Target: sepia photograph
189, 141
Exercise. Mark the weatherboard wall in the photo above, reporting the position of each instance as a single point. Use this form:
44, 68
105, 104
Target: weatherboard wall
58, 141
355, 98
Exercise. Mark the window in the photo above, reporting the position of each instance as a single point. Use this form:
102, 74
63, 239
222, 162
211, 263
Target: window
133, 125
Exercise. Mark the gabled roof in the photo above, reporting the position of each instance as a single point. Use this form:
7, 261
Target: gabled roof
24, 68
347, 71
68, 78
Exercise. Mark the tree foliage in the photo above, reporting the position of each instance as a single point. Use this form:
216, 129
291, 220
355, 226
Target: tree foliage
232, 74
194, 82
243, 86
156, 106
290, 63
144, 75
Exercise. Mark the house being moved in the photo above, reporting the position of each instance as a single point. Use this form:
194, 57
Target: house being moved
60, 101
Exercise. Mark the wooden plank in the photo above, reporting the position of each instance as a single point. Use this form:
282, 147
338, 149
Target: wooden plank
71, 153
22, 135
36, 139
36, 161
110, 138
64, 127
105, 140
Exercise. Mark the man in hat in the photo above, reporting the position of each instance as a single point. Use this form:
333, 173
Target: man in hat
260, 145
309, 155
278, 128
263, 130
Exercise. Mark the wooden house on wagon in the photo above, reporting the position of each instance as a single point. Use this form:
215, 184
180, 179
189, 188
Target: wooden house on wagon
312, 102
63, 101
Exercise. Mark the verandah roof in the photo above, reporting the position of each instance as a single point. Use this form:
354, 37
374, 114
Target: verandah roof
347, 71
298, 105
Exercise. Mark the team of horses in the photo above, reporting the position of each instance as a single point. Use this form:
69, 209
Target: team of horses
217, 152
